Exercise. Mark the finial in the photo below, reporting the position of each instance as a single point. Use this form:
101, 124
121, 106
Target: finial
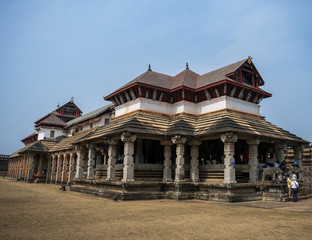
149, 67
72, 99
249, 59
58, 105
187, 66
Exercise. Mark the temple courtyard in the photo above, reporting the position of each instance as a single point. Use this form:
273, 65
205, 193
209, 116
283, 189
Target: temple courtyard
41, 211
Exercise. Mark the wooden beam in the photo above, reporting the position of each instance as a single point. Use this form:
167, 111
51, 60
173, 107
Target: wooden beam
253, 80
241, 76
246, 70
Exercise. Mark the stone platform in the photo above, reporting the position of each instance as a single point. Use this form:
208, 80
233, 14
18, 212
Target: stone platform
233, 192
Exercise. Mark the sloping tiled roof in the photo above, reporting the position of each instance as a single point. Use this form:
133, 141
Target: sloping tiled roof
152, 78
218, 75
55, 112
29, 136
38, 146
89, 115
67, 143
52, 119
186, 78
16, 154
191, 125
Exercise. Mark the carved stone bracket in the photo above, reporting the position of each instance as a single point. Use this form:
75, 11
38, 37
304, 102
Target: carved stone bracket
128, 137
229, 137
253, 141
178, 139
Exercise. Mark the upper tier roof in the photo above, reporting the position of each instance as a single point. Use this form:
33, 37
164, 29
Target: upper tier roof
60, 116
186, 78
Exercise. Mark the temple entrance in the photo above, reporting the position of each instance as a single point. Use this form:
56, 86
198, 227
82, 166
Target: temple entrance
153, 152
211, 159
211, 152
149, 160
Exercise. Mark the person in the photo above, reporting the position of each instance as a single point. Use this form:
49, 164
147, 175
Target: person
294, 189
289, 185
275, 163
294, 176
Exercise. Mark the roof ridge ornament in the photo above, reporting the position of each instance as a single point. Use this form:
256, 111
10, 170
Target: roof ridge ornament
149, 67
249, 59
186, 66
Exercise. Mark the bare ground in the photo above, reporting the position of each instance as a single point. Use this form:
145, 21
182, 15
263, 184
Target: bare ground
41, 211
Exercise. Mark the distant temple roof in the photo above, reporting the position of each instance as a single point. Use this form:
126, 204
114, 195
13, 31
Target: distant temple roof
89, 115
60, 116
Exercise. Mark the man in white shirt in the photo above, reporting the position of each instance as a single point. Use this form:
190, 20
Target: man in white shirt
294, 189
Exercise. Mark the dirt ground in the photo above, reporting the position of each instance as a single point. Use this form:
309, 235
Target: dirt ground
42, 211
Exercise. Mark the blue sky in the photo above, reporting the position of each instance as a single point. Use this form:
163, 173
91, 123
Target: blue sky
54, 50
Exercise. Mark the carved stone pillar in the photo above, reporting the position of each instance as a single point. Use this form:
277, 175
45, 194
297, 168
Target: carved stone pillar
128, 168
59, 168
253, 159
39, 173
194, 173
64, 169
24, 174
80, 162
111, 158
48, 177
180, 161
229, 149
71, 168
30, 168
91, 161
167, 161
298, 154
53, 168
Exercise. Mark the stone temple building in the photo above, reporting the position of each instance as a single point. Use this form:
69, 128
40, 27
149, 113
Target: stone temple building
187, 136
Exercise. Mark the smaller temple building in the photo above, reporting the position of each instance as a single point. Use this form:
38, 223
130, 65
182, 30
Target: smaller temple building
187, 136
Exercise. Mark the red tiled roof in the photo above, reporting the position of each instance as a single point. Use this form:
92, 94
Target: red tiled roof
51, 120
217, 75
29, 136
186, 78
